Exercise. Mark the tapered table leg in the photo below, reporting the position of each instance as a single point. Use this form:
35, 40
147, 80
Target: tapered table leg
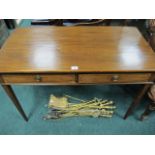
14, 99
137, 100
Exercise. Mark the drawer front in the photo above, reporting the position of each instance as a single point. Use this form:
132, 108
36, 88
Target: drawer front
113, 78
39, 78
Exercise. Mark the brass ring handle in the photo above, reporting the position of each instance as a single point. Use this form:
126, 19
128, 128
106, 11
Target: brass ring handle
115, 78
38, 78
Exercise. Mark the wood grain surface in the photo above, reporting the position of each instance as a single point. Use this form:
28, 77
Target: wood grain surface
76, 49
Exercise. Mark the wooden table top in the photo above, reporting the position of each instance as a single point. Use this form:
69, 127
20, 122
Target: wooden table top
62, 49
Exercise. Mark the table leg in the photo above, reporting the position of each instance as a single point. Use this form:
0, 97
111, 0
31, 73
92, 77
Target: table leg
137, 100
14, 99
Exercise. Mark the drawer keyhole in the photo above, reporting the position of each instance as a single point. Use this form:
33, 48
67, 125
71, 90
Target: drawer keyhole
115, 78
38, 78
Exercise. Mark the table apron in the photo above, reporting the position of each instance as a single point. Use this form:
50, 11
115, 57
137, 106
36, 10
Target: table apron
76, 78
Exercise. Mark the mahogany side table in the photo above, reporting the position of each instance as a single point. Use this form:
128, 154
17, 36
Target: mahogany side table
76, 56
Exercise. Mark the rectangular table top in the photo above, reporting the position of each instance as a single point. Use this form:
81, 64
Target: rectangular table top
76, 49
